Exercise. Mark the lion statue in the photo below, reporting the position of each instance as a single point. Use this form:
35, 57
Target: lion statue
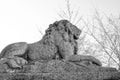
59, 42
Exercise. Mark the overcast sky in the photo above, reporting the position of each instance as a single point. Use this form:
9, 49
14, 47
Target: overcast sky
21, 20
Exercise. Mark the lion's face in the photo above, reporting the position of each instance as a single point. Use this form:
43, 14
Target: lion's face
65, 29
66, 26
74, 30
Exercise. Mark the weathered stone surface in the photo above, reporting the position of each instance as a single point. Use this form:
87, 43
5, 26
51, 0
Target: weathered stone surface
54, 57
9, 54
61, 70
59, 39
87, 60
3, 68
14, 49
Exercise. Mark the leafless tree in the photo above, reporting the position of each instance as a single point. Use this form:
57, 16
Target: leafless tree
70, 13
107, 35
105, 30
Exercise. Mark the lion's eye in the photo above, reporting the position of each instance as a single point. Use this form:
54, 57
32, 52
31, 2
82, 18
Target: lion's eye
75, 37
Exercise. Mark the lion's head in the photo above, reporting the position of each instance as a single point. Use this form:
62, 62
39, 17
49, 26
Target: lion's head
64, 28
62, 33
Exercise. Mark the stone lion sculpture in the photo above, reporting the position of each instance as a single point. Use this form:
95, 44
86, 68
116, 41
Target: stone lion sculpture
59, 42
54, 57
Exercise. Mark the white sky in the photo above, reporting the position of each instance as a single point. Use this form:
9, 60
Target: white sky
21, 19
